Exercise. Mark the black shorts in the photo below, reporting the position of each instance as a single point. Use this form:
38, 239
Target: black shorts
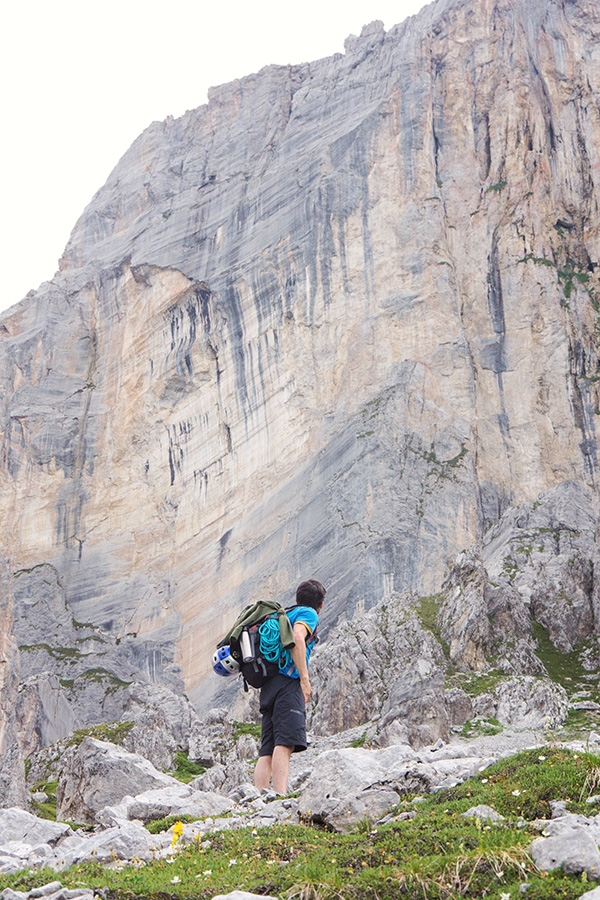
284, 715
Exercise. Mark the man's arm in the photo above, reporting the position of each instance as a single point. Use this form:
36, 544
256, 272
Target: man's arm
298, 652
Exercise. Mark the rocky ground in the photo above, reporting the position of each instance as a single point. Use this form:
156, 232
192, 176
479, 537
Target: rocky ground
113, 793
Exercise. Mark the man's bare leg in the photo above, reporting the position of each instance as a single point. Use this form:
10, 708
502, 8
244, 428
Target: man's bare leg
281, 768
262, 772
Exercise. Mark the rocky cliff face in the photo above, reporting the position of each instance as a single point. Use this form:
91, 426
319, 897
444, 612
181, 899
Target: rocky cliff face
333, 323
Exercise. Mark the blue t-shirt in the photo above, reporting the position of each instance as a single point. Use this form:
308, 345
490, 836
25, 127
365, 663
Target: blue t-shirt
309, 617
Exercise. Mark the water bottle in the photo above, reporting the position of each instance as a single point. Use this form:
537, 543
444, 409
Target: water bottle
246, 645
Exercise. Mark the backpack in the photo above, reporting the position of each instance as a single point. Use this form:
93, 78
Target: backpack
257, 640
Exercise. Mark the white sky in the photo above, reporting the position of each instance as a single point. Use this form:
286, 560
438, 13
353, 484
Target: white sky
81, 80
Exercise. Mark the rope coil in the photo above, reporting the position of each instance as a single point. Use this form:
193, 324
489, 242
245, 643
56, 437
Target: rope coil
270, 640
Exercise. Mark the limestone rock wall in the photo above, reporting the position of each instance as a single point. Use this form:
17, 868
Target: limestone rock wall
331, 324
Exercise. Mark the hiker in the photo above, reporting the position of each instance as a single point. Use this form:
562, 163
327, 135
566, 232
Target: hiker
284, 697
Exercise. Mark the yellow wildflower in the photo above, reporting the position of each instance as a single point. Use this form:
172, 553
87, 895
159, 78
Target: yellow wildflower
177, 833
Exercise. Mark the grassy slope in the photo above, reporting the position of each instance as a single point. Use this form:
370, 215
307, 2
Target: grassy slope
437, 854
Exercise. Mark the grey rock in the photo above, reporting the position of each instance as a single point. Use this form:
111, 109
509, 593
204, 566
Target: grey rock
98, 774
484, 813
246, 747
237, 772
181, 800
392, 667
45, 891
244, 793
212, 780
18, 849
343, 784
150, 737
9, 865
126, 841
524, 568
41, 855
525, 702
591, 895
573, 850
17, 824
43, 712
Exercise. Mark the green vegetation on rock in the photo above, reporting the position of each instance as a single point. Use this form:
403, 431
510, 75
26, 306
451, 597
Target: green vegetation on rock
438, 854
115, 732
185, 770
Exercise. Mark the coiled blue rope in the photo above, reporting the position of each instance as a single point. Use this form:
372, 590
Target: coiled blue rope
270, 639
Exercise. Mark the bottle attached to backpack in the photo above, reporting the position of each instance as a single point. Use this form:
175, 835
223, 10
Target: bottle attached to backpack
257, 641
246, 647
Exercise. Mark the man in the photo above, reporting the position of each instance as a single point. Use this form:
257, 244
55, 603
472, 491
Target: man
284, 697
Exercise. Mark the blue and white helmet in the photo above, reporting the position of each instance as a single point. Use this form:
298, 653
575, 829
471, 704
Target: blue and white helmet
224, 663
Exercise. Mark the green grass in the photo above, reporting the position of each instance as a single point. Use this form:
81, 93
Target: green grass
427, 609
160, 825
440, 854
563, 668
240, 728
47, 808
359, 741
115, 732
481, 727
485, 683
185, 770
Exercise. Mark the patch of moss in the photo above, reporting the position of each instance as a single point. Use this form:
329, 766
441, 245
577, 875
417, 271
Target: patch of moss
252, 728
158, 826
359, 741
484, 683
46, 809
481, 727
99, 674
563, 668
115, 732
185, 770
60, 653
427, 609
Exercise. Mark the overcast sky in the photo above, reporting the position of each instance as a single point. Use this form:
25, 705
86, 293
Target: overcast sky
81, 80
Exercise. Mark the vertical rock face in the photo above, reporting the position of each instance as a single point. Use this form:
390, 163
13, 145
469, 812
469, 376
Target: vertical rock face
333, 323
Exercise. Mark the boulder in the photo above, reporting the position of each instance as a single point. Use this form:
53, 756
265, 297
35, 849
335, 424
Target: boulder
573, 849
591, 895
212, 780
343, 785
177, 801
525, 702
126, 841
98, 774
18, 825
484, 813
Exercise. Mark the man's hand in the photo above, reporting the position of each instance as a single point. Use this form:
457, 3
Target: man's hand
306, 688
299, 656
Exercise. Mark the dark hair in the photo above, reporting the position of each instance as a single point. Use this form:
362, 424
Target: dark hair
310, 593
